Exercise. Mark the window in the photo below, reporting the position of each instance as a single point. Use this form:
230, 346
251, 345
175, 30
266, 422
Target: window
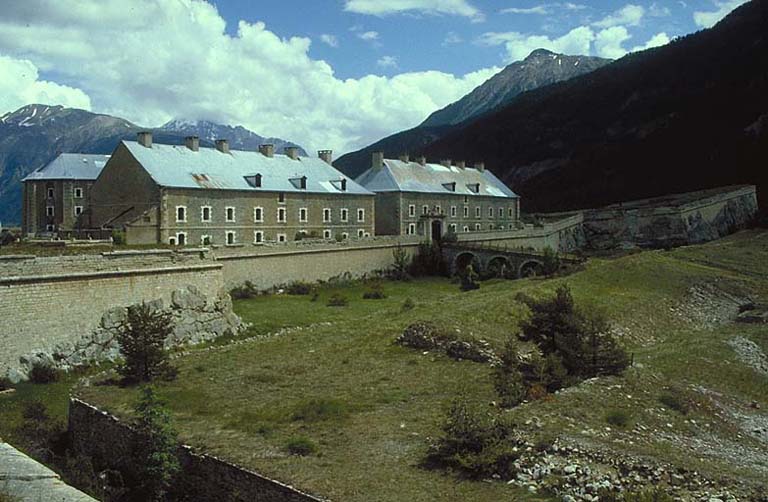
360, 215
281, 215
258, 236
466, 228
172, 241
254, 181
281, 238
181, 214
360, 233
205, 214
437, 208
50, 193
344, 214
477, 212
326, 215
205, 240
491, 227
478, 226
501, 227
230, 212
425, 209
327, 234
50, 228
78, 193
181, 238
490, 212
258, 215
466, 211
466, 199
412, 210
303, 215
281, 197
511, 212
231, 237
411, 229
78, 210
501, 212
344, 236
453, 211
452, 227
49, 211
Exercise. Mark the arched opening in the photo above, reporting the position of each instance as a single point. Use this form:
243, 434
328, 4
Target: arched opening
531, 268
463, 260
498, 267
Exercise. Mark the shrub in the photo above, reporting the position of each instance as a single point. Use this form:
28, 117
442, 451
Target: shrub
337, 300
118, 237
299, 288
675, 400
5, 383
474, 442
301, 446
39, 433
156, 447
43, 373
318, 410
507, 378
408, 304
141, 338
375, 293
550, 261
428, 260
618, 418
243, 292
339, 237
469, 279
400, 265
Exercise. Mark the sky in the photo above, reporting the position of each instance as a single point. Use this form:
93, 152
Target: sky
336, 74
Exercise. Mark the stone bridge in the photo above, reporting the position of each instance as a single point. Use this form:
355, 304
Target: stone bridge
490, 260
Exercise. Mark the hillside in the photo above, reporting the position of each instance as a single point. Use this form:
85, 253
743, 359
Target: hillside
689, 115
539, 69
34, 135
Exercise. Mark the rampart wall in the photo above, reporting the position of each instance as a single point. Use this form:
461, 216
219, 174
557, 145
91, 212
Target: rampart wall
565, 235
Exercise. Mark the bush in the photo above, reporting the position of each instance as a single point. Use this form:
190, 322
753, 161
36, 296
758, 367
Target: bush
428, 260
5, 383
618, 418
400, 265
318, 410
375, 293
337, 300
299, 288
507, 378
475, 443
675, 400
43, 373
118, 237
301, 446
469, 279
243, 292
408, 304
38, 432
550, 262
141, 338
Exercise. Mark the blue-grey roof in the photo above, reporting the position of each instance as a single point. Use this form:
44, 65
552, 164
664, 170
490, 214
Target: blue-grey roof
399, 176
70, 166
179, 167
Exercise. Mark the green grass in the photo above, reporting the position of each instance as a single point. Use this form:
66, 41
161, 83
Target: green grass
336, 379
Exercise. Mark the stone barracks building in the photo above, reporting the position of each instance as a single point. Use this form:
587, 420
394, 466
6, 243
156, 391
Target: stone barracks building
56, 196
187, 195
417, 198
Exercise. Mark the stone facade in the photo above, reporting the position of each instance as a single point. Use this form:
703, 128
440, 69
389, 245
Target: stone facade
55, 206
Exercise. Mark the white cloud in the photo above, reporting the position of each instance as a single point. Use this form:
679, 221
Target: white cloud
657, 40
539, 9
629, 15
452, 38
329, 40
369, 35
707, 19
656, 10
518, 45
385, 7
608, 42
161, 60
387, 62
20, 85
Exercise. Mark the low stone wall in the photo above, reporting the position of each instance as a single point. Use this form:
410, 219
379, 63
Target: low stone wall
564, 234
110, 443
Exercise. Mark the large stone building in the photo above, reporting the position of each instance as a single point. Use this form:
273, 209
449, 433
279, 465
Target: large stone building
187, 195
56, 196
417, 198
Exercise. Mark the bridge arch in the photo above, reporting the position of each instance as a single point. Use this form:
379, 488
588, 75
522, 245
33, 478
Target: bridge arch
530, 268
499, 266
463, 259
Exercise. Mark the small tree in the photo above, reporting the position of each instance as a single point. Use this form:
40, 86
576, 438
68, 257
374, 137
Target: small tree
550, 262
469, 279
508, 379
401, 264
156, 447
141, 338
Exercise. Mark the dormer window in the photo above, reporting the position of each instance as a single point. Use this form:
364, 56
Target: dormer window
300, 183
451, 187
340, 185
474, 187
254, 180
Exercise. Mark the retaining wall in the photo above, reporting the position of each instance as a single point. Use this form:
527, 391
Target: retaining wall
109, 442
565, 235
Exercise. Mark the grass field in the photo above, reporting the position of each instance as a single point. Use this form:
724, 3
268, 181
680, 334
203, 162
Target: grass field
333, 376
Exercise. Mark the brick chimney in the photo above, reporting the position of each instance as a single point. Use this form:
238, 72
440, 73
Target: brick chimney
446, 162
480, 166
222, 145
405, 158
377, 160
145, 139
292, 152
267, 150
192, 142
422, 160
461, 164
326, 156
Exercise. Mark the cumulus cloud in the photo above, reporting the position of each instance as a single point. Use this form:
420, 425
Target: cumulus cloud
707, 19
386, 7
657, 40
538, 9
518, 45
608, 42
20, 85
629, 15
369, 35
329, 40
161, 60
387, 62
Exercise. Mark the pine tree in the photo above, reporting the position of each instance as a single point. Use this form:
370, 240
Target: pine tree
141, 338
156, 448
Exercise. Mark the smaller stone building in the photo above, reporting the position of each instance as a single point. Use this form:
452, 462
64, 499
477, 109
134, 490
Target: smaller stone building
418, 198
56, 196
187, 195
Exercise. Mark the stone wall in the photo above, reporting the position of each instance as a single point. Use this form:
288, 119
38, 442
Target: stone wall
45, 302
109, 442
564, 234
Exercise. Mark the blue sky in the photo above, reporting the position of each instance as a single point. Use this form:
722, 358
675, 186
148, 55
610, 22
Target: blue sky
334, 74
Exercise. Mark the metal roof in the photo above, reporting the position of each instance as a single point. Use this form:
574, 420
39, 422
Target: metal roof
179, 167
70, 166
399, 176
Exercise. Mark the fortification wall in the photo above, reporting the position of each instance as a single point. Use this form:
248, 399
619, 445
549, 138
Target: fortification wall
109, 443
45, 302
565, 235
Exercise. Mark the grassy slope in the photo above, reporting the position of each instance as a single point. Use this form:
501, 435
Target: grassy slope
239, 401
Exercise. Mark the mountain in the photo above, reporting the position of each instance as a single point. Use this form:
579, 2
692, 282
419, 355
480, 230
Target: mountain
686, 116
34, 135
540, 68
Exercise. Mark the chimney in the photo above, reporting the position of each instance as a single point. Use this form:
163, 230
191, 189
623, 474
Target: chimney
192, 142
377, 160
222, 145
480, 166
461, 164
446, 162
267, 150
343, 184
326, 156
405, 158
422, 160
145, 139
292, 152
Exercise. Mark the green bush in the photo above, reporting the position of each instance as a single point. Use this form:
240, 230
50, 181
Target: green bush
507, 378
141, 338
550, 262
118, 237
376, 292
243, 292
408, 304
43, 373
476, 442
337, 300
401, 264
618, 418
5, 383
468, 279
674, 399
301, 446
319, 410
428, 261
299, 288
39, 433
